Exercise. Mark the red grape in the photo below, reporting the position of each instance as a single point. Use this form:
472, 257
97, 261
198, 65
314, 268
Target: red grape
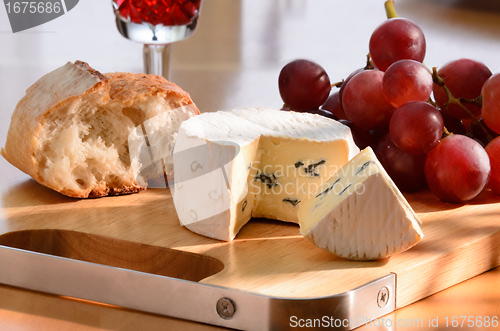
378, 134
396, 39
323, 112
406, 80
491, 102
333, 105
467, 122
406, 170
362, 138
477, 132
344, 83
493, 150
416, 127
464, 78
303, 85
457, 169
363, 101
453, 124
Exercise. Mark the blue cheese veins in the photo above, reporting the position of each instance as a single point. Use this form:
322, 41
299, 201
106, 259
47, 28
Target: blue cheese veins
260, 162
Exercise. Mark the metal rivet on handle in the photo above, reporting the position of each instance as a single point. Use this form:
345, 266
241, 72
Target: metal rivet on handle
383, 297
225, 308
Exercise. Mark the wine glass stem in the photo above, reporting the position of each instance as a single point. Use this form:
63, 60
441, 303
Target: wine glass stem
157, 59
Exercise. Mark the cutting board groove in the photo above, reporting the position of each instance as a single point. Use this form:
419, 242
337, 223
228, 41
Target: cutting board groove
114, 252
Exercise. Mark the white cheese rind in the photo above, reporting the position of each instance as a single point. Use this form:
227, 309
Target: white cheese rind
230, 166
360, 214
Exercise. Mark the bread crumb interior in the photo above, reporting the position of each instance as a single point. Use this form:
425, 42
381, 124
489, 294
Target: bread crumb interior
84, 146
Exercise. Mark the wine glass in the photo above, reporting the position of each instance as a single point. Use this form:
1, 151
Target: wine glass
156, 24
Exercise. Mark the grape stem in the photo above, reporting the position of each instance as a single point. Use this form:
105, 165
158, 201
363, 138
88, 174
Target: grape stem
390, 10
446, 133
477, 101
452, 100
369, 63
432, 102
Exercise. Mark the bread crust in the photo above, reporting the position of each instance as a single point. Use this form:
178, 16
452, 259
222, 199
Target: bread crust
62, 85
127, 88
68, 84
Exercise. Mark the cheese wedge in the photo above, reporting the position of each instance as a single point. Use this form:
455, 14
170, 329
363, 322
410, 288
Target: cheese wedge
230, 166
359, 213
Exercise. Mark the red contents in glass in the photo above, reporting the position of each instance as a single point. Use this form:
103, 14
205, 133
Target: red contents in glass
166, 12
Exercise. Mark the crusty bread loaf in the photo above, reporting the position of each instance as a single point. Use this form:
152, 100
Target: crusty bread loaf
70, 132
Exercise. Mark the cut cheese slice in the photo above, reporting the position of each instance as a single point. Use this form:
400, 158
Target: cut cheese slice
230, 166
359, 213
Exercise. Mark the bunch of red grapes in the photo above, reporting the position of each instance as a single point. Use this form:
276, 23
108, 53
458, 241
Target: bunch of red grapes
449, 144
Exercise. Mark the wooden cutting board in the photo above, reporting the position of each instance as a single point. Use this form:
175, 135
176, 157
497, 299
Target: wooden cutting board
267, 257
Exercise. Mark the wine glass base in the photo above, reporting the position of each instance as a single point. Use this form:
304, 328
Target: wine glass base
155, 34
